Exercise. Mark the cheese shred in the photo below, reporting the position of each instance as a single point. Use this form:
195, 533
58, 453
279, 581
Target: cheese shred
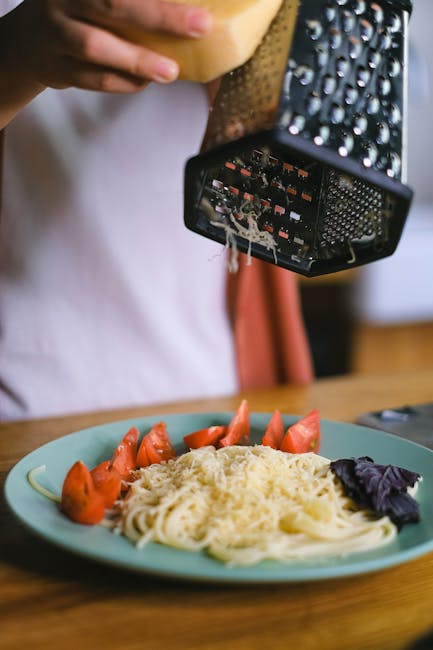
243, 505
251, 233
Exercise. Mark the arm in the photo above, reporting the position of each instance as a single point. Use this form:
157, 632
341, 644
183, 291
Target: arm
62, 43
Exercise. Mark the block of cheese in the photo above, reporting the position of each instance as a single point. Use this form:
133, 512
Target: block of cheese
239, 26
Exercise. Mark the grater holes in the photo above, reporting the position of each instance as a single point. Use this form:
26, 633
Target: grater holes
249, 95
353, 211
349, 79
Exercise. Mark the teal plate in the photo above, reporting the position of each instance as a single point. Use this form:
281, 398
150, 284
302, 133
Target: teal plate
95, 444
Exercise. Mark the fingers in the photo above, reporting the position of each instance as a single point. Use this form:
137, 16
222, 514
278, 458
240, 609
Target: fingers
79, 43
124, 66
185, 20
178, 19
92, 77
97, 47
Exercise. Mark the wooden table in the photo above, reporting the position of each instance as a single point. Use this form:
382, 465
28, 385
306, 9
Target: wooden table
51, 599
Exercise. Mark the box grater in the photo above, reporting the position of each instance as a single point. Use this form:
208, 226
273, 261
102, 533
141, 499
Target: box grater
302, 164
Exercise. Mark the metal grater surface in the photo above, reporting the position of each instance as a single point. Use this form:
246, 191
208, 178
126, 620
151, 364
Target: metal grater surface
346, 92
303, 156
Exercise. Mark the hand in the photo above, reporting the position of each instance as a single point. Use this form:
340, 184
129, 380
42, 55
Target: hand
64, 43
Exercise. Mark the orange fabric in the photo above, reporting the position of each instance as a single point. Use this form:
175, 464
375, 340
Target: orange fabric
270, 339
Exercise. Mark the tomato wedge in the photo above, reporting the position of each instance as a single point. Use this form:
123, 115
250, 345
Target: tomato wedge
274, 433
238, 430
142, 457
107, 482
204, 437
304, 435
124, 457
80, 501
155, 447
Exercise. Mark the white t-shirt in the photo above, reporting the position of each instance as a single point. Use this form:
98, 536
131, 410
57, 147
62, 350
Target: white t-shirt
106, 299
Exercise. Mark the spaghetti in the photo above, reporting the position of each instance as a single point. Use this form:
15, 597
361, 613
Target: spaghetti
243, 505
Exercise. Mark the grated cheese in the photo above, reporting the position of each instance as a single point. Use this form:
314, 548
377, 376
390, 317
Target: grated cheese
251, 233
243, 505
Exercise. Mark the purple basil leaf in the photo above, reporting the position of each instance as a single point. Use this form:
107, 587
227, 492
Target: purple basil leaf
401, 508
381, 488
344, 468
379, 481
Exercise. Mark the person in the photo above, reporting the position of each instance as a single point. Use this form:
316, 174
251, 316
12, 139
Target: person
106, 300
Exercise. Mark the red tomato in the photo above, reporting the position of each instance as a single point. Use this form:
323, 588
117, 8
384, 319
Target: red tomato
80, 500
274, 433
107, 482
204, 437
156, 446
124, 458
142, 457
304, 435
238, 430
